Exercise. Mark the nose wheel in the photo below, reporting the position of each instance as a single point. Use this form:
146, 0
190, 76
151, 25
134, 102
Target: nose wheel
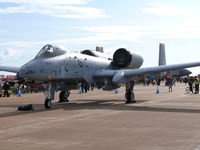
48, 103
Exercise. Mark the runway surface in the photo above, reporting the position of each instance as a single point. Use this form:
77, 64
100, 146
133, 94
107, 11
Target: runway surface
101, 120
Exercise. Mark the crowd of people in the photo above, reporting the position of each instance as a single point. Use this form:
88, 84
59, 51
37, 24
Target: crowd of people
192, 81
17, 88
14, 87
168, 82
85, 86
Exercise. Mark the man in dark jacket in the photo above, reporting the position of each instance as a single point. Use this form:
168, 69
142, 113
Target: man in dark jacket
6, 88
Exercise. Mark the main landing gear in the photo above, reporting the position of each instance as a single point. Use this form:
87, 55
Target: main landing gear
130, 96
63, 96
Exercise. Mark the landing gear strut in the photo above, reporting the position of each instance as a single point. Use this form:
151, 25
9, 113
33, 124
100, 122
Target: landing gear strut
63, 97
50, 91
130, 96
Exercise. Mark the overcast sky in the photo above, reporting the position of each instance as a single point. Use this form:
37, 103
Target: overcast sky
27, 25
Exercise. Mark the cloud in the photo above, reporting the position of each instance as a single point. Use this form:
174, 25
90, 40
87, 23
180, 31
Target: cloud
61, 8
27, 44
11, 54
187, 29
97, 34
20, 43
166, 11
118, 33
61, 2
2, 31
127, 33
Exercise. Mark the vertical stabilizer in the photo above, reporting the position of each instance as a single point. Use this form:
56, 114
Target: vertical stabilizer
162, 57
99, 49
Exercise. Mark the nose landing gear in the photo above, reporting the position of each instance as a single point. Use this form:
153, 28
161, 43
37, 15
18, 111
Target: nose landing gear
50, 91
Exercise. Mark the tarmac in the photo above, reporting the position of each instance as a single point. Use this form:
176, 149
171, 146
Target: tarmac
100, 120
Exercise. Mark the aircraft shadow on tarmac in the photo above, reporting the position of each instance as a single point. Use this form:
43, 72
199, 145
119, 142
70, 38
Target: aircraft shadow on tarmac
95, 105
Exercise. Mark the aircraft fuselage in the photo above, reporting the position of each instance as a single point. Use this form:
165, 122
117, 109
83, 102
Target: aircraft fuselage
70, 66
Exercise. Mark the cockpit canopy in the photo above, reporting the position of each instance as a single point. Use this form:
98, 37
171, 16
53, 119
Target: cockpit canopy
50, 51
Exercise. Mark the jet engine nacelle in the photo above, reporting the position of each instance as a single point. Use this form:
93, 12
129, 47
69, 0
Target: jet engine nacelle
123, 58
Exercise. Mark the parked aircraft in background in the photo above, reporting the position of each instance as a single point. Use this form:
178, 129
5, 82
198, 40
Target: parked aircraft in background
162, 61
63, 71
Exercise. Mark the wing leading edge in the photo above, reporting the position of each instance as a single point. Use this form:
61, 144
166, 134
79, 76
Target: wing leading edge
10, 69
120, 76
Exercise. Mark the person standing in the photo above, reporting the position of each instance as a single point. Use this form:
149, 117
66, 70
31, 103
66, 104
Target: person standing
158, 85
16, 88
196, 83
6, 88
170, 84
190, 83
82, 86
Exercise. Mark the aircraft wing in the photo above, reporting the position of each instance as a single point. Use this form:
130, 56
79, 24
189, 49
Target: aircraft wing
121, 76
9, 69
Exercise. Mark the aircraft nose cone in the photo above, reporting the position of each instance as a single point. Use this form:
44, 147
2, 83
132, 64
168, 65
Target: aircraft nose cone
23, 71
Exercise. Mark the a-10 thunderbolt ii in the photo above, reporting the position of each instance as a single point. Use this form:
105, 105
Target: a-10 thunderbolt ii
64, 71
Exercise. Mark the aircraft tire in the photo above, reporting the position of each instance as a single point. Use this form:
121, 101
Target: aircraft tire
48, 103
63, 96
130, 97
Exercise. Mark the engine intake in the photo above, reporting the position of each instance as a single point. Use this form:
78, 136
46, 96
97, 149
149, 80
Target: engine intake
94, 53
123, 58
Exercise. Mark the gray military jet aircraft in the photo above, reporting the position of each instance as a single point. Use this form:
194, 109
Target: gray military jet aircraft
63, 71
